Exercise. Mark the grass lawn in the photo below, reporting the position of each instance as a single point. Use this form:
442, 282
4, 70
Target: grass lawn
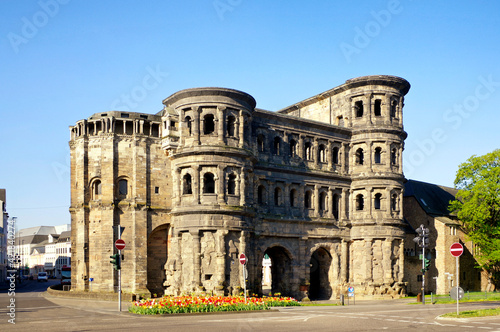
474, 313
468, 297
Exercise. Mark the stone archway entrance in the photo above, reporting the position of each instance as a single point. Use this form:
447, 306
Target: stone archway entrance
280, 276
157, 257
320, 288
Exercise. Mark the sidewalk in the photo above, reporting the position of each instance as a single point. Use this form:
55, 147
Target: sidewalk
88, 304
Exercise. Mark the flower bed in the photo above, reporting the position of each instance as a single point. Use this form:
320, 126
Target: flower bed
191, 304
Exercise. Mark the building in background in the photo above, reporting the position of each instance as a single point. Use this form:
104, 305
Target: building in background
3, 235
427, 204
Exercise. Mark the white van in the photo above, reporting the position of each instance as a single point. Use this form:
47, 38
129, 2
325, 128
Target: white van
42, 276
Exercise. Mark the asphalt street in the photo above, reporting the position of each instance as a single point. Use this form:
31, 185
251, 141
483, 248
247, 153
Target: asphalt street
34, 309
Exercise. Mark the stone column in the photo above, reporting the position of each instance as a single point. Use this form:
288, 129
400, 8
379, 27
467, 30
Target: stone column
196, 125
242, 187
369, 155
221, 260
315, 201
220, 124
196, 259
351, 204
141, 127
368, 99
329, 155
241, 131
387, 261
343, 205
330, 203
401, 260
335, 268
286, 196
270, 198
344, 158
369, 201
301, 147
316, 152
221, 181
399, 111
368, 257
178, 183
196, 185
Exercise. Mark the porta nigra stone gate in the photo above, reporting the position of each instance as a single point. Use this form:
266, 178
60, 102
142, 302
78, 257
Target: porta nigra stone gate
317, 187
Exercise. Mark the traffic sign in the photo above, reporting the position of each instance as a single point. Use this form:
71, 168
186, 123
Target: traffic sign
350, 289
454, 293
120, 244
456, 249
243, 259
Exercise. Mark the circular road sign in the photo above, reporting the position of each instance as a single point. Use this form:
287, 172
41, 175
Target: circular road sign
243, 259
453, 293
120, 244
456, 249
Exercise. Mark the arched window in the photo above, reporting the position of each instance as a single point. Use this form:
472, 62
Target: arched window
335, 155
278, 197
122, 187
261, 194
360, 202
358, 106
260, 143
377, 108
187, 120
293, 148
359, 156
208, 183
231, 184
322, 153
308, 199
231, 121
293, 198
96, 189
322, 201
276, 145
394, 105
308, 148
208, 124
378, 154
186, 184
335, 206
394, 156
377, 200
394, 202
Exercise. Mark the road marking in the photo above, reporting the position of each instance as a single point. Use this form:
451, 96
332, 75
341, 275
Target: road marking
20, 309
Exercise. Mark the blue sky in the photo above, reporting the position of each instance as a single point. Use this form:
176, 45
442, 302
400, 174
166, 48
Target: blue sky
62, 60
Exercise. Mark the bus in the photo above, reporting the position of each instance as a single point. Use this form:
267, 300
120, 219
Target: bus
66, 275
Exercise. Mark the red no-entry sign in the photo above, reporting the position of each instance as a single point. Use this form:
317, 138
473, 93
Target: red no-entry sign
120, 244
243, 259
456, 249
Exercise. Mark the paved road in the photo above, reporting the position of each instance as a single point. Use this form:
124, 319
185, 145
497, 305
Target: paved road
34, 311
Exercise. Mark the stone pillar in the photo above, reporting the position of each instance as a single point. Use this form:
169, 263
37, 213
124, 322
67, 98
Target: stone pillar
270, 198
369, 155
141, 127
343, 263
242, 187
178, 183
316, 152
369, 200
399, 111
344, 158
221, 181
401, 260
335, 268
343, 205
286, 195
303, 272
196, 185
241, 131
196, 259
221, 260
387, 261
301, 147
352, 203
329, 155
368, 257
315, 201
196, 125
330, 203
220, 125
368, 100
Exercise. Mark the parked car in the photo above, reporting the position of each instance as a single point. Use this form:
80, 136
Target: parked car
42, 276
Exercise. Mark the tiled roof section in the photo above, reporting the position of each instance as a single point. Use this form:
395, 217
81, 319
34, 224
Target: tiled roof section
433, 199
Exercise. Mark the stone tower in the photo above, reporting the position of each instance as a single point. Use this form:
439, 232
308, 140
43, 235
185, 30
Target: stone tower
316, 187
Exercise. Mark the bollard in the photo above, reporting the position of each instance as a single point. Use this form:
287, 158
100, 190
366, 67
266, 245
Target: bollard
342, 299
419, 297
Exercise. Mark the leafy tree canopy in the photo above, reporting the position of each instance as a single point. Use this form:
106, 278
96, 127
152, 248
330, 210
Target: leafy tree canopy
478, 207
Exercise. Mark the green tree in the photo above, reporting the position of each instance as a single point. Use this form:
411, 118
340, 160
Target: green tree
477, 206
